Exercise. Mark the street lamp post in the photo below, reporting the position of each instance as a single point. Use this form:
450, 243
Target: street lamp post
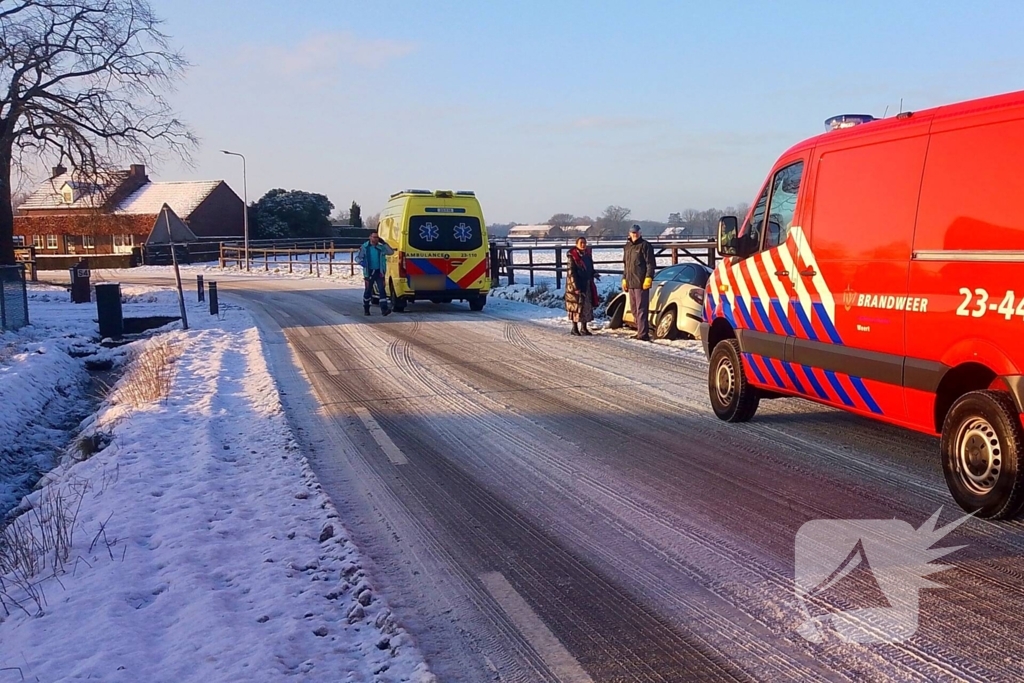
245, 207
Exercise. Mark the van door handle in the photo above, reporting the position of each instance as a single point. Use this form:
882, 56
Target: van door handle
782, 273
809, 273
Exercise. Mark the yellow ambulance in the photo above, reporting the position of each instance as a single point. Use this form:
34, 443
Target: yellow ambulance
441, 251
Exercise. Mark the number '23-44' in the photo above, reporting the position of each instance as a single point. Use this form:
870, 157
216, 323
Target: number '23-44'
977, 303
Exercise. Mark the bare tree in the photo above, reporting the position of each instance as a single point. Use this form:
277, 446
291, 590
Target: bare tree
84, 82
561, 220
372, 221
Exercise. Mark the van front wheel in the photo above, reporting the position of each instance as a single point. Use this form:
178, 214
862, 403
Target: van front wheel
983, 454
477, 303
732, 397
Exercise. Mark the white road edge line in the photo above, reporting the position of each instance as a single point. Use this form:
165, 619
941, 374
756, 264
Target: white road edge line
530, 625
328, 365
396, 456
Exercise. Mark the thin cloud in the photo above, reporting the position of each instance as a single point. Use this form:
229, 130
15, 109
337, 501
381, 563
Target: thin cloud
326, 52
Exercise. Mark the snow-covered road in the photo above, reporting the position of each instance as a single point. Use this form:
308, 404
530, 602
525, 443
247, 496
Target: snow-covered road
541, 507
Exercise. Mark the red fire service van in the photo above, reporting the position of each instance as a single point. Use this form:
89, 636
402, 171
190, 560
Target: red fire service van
881, 271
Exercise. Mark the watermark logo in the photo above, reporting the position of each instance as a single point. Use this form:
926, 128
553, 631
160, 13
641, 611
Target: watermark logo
887, 556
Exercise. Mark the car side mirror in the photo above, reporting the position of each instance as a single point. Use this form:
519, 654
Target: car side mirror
728, 231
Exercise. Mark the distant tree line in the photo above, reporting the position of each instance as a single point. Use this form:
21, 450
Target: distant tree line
282, 214
615, 221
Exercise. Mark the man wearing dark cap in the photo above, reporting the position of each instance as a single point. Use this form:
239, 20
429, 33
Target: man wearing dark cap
638, 263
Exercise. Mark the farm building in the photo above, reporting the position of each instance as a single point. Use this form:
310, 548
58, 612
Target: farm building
539, 232
69, 214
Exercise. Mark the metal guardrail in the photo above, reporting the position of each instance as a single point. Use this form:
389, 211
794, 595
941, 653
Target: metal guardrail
13, 297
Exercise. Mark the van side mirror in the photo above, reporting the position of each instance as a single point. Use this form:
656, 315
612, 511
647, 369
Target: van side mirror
728, 230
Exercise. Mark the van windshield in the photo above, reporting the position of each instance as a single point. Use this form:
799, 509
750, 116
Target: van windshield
445, 233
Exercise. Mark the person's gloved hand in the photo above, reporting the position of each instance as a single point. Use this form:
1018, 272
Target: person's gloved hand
647, 283
625, 285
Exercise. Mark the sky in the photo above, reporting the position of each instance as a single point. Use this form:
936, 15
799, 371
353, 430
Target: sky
548, 106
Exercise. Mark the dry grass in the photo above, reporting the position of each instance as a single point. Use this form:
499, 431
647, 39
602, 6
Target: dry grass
37, 545
535, 294
148, 375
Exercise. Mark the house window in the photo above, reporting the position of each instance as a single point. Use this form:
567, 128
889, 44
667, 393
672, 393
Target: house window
19, 241
37, 241
123, 244
51, 241
88, 241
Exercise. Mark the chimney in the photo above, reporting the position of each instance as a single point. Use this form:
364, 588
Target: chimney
137, 171
58, 170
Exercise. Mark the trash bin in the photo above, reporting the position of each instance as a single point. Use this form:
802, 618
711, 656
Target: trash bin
80, 291
108, 310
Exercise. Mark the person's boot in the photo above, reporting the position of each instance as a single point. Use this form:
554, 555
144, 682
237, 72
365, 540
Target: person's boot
366, 309
385, 309
575, 330
585, 331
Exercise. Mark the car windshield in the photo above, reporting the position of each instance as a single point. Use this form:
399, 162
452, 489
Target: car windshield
668, 273
445, 233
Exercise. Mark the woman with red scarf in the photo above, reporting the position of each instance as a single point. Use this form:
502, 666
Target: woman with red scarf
580, 288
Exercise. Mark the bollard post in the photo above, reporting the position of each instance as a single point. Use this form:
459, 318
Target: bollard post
214, 307
199, 288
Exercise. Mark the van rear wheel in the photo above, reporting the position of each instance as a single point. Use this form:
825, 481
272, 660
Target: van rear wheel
477, 303
732, 397
397, 304
983, 454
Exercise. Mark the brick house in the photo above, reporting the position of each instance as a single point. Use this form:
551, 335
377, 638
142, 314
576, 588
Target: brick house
116, 211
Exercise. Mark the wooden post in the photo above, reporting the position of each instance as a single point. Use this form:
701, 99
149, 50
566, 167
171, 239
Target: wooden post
311, 251
675, 255
330, 260
221, 254
266, 261
711, 257
351, 263
289, 260
510, 265
558, 267
531, 266
318, 264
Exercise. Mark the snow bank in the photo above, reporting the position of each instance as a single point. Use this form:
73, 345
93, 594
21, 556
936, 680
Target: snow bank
203, 548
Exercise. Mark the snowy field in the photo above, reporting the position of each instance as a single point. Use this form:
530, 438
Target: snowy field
182, 536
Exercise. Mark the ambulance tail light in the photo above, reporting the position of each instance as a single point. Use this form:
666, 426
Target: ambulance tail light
697, 295
401, 265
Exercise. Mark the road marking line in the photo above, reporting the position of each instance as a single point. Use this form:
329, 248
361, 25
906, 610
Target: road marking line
562, 664
396, 456
328, 365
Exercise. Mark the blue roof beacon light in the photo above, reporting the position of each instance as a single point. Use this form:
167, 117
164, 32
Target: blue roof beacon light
847, 121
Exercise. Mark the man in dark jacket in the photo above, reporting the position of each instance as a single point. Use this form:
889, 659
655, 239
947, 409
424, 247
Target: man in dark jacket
638, 263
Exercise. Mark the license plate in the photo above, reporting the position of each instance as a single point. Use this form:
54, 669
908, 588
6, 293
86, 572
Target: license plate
429, 283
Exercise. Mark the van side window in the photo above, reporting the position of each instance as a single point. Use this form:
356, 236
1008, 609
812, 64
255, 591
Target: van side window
785, 187
750, 233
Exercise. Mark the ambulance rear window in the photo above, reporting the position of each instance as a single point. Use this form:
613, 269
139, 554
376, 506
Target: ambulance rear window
445, 233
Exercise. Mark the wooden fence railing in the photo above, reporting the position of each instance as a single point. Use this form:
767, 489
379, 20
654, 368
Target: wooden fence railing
314, 259
503, 264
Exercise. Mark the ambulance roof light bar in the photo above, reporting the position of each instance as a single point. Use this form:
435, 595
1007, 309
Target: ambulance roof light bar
847, 121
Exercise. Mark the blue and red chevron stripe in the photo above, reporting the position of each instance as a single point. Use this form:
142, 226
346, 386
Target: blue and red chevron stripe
825, 385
